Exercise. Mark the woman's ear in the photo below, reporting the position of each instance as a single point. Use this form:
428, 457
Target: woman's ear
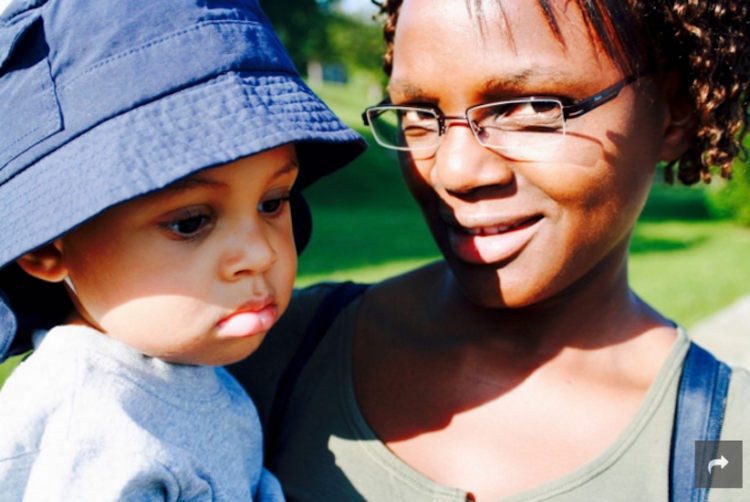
680, 121
45, 263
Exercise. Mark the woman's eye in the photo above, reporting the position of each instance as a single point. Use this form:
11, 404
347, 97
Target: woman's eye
523, 115
416, 116
273, 206
530, 108
188, 226
545, 108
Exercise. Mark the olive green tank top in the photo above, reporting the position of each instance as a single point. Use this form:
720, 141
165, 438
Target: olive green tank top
327, 452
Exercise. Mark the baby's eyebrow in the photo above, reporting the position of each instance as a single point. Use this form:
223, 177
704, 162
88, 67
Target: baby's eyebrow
188, 184
289, 168
182, 186
196, 181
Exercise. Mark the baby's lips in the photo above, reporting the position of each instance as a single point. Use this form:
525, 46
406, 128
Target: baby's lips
248, 323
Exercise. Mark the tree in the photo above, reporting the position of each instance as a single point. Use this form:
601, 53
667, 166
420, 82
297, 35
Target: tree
357, 43
301, 26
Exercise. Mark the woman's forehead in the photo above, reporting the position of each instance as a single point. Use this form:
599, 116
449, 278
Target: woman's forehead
513, 44
487, 23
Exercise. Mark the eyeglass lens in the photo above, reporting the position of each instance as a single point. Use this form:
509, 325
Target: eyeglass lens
508, 125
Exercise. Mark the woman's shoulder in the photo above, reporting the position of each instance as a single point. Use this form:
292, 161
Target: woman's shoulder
404, 289
389, 294
303, 306
260, 373
312, 294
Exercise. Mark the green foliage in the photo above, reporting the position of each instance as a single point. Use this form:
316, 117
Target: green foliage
356, 43
315, 30
300, 25
731, 199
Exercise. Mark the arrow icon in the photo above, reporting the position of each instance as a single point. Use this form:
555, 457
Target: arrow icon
722, 462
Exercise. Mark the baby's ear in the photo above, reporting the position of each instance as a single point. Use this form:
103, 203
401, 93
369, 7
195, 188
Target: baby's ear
680, 121
45, 263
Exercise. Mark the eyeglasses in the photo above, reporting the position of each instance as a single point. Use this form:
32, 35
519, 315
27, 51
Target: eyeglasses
514, 125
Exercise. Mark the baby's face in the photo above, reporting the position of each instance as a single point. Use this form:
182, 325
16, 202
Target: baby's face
196, 273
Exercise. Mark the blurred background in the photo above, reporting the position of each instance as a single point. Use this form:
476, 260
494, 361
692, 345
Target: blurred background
690, 252
690, 255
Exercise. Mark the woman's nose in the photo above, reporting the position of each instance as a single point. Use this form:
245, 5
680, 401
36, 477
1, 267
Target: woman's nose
462, 164
248, 252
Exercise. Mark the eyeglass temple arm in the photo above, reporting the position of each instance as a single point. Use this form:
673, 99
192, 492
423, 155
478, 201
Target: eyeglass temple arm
608, 94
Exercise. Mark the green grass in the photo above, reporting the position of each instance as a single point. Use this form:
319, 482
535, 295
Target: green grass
366, 225
685, 263
8, 366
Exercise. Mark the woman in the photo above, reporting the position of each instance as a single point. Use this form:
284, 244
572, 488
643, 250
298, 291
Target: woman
522, 366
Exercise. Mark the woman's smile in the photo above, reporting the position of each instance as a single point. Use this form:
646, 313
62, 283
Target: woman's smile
493, 242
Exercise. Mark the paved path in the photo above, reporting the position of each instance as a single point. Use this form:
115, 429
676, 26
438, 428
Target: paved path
727, 333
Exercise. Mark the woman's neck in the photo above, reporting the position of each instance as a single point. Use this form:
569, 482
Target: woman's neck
588, 315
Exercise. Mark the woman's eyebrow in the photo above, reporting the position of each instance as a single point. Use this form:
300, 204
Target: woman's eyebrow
521, 79
506, 81
405, 90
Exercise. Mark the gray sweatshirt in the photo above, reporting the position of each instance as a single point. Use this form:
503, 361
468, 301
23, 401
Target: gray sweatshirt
87, 418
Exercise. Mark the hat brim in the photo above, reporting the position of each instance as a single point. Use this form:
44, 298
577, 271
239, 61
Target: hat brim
149, 147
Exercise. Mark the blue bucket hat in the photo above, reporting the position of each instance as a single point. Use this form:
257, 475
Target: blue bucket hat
104, 101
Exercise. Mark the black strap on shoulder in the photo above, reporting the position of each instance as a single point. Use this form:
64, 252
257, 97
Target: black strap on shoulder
701, 400
327, 312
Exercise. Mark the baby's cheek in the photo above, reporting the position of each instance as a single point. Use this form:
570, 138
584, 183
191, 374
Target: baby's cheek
156, 325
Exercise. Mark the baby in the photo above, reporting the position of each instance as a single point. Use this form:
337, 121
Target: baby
148, 157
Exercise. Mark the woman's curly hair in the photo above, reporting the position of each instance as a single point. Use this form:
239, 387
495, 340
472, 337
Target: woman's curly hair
708, 41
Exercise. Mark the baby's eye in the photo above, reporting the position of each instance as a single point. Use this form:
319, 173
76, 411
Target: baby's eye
273, 206
189, 225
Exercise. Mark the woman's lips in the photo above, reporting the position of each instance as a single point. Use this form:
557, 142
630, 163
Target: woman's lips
248, 321
492, 243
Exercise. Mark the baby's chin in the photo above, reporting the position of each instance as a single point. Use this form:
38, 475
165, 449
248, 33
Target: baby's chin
77, 318
171, 342
218, 354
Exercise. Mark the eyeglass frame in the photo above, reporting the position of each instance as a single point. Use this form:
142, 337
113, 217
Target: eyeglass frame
574, 110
